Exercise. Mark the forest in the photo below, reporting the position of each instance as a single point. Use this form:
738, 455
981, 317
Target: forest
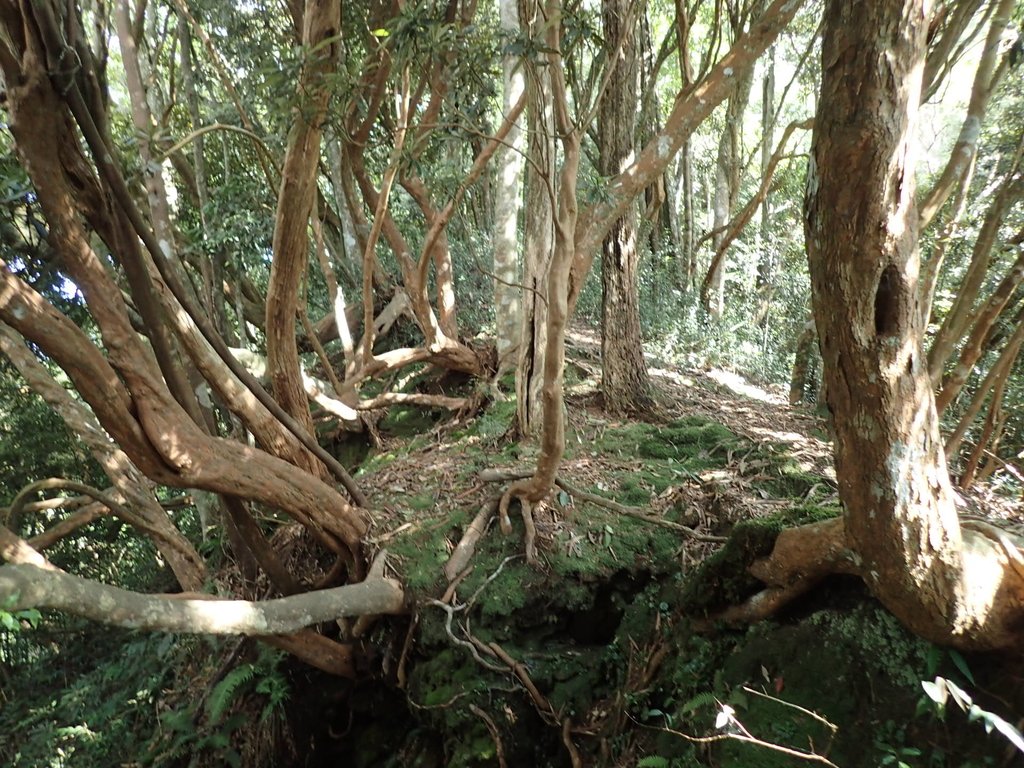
520, 383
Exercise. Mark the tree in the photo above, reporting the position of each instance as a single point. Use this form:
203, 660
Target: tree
579, 233
954, 583
624, 381
728, 168
137, 385
508, 197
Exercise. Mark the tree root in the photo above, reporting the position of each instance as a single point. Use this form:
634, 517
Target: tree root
524, 491
801, 558
519, 490
499, 748
574, 753
485, 654
638, 513
463, 552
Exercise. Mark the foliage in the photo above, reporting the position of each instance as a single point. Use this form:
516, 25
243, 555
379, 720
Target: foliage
88, 696
35, 443
216, 729
941, 691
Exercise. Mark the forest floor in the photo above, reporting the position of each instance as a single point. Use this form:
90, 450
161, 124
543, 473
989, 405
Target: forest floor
603, 653
592, 656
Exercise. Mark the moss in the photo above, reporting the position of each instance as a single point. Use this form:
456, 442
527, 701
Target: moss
638, 488
494, 422
722, 579
787, 477
421, 501
407, 421
852, 667
423, 549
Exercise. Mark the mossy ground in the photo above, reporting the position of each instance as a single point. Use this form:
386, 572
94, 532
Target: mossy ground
602, 625
612, 593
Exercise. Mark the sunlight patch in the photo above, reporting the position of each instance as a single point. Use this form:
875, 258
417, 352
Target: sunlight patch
740, 386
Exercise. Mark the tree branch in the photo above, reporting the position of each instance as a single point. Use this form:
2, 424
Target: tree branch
27, 586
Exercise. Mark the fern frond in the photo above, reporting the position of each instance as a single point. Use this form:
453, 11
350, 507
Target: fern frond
223, 694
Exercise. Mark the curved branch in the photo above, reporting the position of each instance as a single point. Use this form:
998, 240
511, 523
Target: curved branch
21, 499
28, 586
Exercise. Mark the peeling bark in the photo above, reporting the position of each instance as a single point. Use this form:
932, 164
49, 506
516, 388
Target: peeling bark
625, 385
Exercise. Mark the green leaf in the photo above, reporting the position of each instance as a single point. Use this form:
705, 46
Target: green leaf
960, 663
652, 761
380, 32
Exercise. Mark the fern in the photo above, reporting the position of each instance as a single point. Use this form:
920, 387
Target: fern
223, 694
700, 701
275, 688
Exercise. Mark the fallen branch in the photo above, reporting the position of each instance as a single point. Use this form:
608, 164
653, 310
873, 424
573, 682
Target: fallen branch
413, 398
747, 739
28, 586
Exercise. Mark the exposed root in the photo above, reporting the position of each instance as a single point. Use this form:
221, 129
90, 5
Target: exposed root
489, 579
637, 513
530, 535
449, 593
539, 700
524, 491
463, 552
471, 644
1008, 541
495, 734
516, 490
801, 558
403, 659
763, 605
503, 520
574, 753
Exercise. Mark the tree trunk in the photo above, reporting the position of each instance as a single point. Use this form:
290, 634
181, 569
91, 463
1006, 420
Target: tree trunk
948, 585
321, 23
727, 187
538, 237
508, 196
624, 384
766, 261
958, 319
